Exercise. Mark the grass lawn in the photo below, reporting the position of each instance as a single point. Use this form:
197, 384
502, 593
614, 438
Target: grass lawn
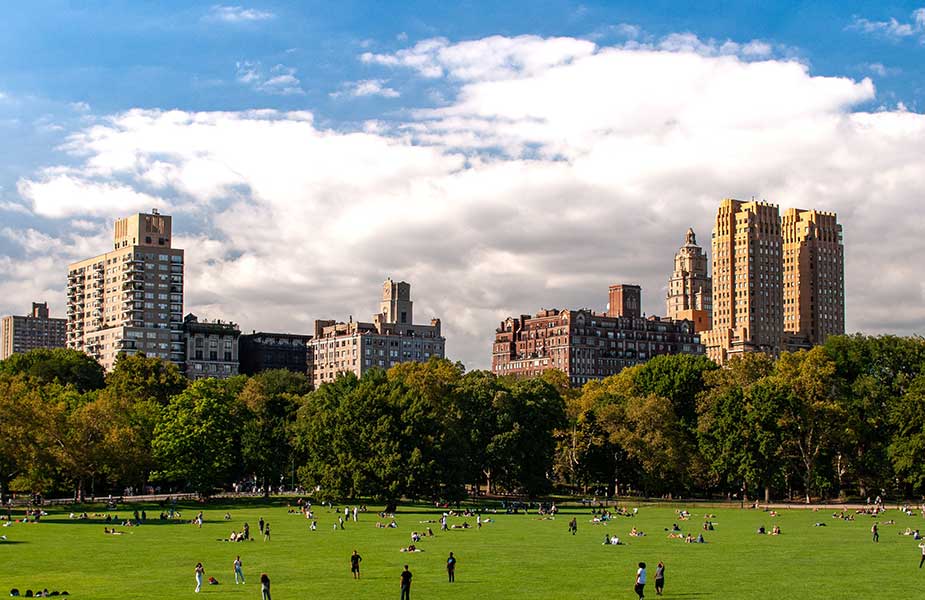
517, 556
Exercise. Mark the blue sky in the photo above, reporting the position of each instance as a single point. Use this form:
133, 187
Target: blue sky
411, 77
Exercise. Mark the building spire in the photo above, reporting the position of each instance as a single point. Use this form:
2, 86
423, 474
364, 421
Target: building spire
691, 238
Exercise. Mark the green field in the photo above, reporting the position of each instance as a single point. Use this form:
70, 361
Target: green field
517, 556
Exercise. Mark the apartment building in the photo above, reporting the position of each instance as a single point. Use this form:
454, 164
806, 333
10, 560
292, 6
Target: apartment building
588, 345
211, 348
814, 277
690, 288
264, 351
778, 282
37, 330
129, 299
391, 338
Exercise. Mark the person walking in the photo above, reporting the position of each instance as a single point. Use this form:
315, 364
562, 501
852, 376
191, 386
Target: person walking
200, 571
260, 523
247, 532
355, 564
659, 578
573, 526
266, 532
640, 580
238, 572
875, 532
264, 586
451, 567
921, 562
406, 584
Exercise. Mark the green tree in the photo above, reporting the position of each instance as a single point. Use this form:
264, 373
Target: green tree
141, 378
271, 399
58, 365
347, 434
522, 449
813, 418
196, 442
908, 444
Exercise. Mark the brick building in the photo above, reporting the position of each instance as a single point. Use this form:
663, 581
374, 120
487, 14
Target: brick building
28, 332
588, 345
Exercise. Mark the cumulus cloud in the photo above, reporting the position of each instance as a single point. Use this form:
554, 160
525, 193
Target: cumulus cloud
237, 14
893, 28
278, 80
607, 156
366, 87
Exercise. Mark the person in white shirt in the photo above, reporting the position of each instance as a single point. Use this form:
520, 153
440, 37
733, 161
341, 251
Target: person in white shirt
922, 546
640, 580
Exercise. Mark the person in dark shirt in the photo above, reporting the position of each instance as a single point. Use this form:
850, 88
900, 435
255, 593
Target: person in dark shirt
260, 523
355, 564
406, 584
659, 578
451, 567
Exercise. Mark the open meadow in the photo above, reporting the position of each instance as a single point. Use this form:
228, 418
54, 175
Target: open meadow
514, 556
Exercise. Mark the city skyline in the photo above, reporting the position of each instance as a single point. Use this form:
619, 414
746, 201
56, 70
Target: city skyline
500, 167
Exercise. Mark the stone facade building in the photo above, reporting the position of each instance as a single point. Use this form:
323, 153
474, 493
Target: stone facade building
211, 348
587, 345
778, 284
391, 338
262, 351
690, 289
814, 277
38, 330
131, 298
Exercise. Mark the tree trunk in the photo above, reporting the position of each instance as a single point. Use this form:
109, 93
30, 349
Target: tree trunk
767, 494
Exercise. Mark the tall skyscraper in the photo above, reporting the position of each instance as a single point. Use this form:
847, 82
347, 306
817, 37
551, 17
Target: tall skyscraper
130, 299
814, 277
747, 281
690, 289
28, 332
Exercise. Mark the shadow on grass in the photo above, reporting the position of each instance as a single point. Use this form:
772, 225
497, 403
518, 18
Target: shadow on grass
9, 542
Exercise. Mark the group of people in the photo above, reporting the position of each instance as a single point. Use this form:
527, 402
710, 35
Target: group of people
238, 569
639, 584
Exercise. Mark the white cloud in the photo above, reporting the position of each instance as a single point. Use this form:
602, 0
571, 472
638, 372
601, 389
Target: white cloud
366, 87
237, 14
80, 107
893, 28
278, 80
608, 155
58, 193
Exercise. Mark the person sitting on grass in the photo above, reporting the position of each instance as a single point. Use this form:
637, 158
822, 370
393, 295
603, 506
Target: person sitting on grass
636, 533
411, 548
761, 530
606, 539
775, 530
700, 539
689, 539
675, 528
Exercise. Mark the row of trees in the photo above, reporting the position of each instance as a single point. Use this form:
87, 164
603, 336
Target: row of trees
846, 418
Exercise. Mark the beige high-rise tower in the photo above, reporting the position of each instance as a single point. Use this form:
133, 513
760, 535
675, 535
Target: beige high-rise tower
747, 281
814, 277
130, 299
690, 289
